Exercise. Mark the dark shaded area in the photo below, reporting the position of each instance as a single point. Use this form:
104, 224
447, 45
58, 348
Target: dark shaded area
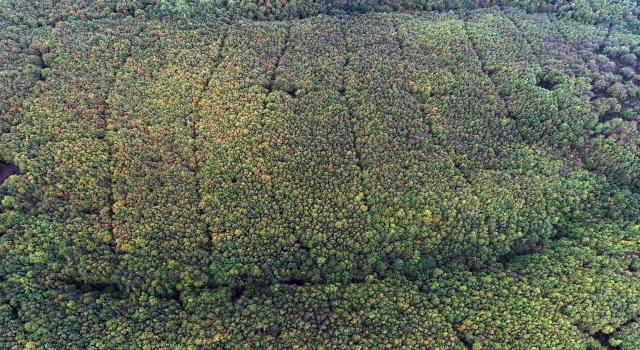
603, 339
174, 295
467, 339
522, 249
237, 293
272, 333
292, 281
6, 170
609, 115
97, 287
547, 85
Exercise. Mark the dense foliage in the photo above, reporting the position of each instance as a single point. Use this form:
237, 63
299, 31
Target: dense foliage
320, 174
49, 12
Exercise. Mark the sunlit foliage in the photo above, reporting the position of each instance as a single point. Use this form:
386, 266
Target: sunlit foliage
319, 174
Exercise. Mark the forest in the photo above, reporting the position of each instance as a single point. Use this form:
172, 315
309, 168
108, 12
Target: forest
330, 174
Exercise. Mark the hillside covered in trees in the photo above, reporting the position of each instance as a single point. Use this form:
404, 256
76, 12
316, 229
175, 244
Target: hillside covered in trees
276, 174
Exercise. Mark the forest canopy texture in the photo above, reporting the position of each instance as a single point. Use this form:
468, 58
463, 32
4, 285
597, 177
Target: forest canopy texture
410, 174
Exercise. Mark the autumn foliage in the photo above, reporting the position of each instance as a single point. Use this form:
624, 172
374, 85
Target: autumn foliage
319, 174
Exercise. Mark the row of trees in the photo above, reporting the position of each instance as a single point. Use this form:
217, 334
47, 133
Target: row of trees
37, 14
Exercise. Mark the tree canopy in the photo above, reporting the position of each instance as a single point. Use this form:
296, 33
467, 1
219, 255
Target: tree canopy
319, 174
